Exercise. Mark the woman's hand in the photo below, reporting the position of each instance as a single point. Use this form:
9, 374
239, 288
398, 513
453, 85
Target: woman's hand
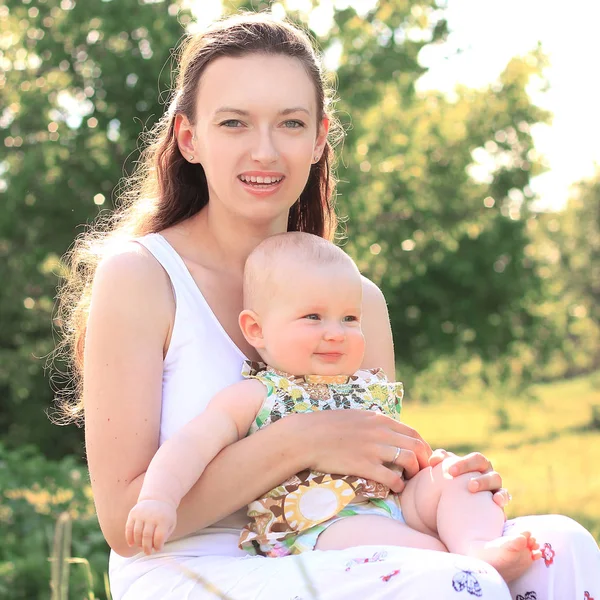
362, 443
475, 462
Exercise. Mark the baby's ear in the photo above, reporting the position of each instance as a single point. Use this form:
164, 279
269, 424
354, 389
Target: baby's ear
251, 328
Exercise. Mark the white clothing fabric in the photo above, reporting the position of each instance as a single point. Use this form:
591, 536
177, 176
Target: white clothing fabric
201, 360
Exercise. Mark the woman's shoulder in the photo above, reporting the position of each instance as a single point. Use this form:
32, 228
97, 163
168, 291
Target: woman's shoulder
375, 311
130, 277
130, 264
371, 291
131, 299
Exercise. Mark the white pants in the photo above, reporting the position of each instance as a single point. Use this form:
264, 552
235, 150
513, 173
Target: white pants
569, 570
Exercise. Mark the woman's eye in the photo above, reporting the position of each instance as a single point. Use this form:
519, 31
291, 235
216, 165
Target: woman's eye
231, 123
294, 124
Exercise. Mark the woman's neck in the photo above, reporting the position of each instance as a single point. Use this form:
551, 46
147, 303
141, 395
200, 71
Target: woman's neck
221, 243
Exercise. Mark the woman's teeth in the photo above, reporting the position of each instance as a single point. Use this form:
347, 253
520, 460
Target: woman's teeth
261, 180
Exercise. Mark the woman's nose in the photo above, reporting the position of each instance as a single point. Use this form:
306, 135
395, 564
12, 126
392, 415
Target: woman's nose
264, 150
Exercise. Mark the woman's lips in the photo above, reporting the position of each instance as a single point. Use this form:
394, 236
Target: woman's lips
261, 189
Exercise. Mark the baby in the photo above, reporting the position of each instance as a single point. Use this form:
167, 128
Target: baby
309, 336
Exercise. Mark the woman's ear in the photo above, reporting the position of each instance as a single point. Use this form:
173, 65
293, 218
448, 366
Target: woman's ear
321, 140
251, 328
184, 133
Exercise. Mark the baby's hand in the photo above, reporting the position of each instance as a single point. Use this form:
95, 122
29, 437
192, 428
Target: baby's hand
150, 523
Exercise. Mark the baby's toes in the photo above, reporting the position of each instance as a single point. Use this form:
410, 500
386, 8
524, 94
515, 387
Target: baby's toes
519, 543
533, 545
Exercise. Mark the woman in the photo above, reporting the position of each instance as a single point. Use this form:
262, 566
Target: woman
242, 154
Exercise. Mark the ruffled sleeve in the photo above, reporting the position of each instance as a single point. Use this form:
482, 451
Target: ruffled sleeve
251, 369
388, 393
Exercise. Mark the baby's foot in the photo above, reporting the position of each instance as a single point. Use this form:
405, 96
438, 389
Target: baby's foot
510, 555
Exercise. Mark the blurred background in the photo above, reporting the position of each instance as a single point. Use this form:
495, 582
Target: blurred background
470, 193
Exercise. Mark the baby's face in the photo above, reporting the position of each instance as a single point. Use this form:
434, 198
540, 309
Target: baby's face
311, 323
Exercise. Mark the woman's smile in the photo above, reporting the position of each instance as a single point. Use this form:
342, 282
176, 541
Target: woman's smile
261, 183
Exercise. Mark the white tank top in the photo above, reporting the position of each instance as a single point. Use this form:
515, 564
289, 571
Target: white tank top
201, 360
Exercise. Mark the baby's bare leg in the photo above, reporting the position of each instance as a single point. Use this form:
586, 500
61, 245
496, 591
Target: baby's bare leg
470, 524
364, 530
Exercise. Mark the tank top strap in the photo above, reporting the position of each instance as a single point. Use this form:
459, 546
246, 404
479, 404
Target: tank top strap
170, 261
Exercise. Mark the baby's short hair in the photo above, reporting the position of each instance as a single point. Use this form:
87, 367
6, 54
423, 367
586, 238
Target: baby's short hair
276, 256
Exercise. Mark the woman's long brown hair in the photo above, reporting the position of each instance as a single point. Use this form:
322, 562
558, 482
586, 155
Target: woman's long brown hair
166, 189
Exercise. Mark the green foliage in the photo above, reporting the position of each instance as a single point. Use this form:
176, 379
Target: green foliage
35, 491
443, 236
565, 248
59, 560
79, 82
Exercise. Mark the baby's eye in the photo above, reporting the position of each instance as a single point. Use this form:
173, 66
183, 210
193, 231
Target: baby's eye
350, 318
312, 317
231, 123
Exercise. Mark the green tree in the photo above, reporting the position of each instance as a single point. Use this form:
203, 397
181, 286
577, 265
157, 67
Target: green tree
567, 254
79, 81
437, 193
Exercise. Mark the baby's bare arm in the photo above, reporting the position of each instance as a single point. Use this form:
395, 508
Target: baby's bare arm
181, 460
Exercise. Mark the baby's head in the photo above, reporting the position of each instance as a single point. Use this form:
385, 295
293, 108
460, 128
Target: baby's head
303, 305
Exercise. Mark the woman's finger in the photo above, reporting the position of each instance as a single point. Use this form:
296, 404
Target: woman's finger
502, 498
388, 477
403, 438
421, 447
486, 482
470, 463
438, 456
403, 458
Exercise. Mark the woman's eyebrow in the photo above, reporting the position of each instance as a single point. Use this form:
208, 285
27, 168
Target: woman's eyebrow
245, 113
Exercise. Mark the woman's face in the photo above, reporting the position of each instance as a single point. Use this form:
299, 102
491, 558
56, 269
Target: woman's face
257, 133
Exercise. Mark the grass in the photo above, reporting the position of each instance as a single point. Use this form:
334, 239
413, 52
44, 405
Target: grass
546, 447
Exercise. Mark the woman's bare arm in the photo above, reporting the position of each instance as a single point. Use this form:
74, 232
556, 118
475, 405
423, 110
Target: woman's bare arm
379, 347
127, 328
